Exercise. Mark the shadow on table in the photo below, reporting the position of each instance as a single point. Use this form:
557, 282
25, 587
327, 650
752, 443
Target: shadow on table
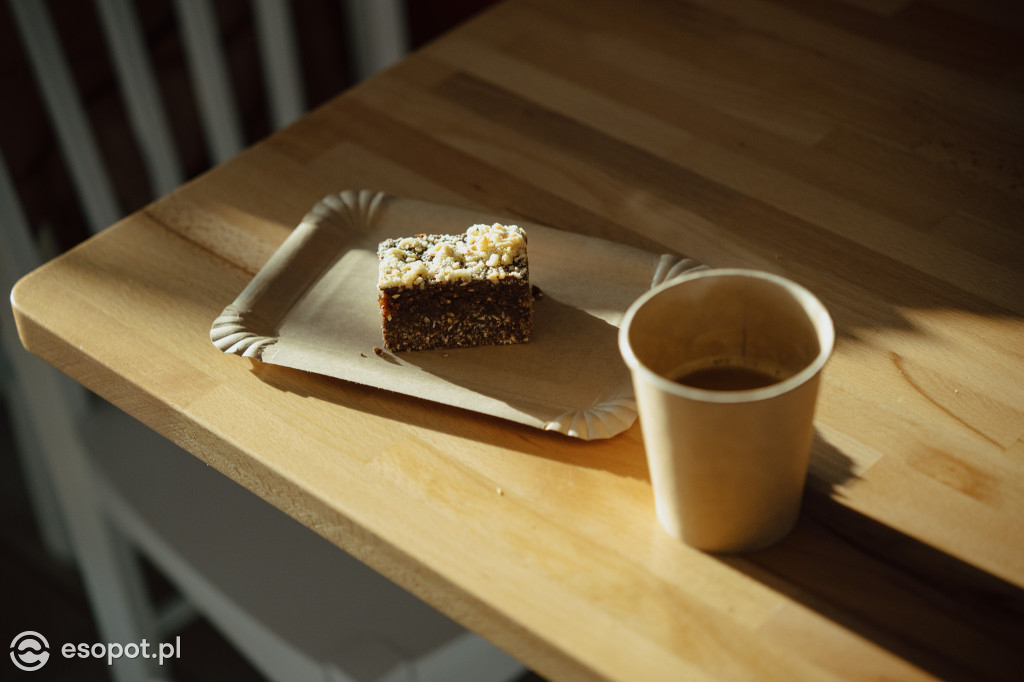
934, 610
621, 456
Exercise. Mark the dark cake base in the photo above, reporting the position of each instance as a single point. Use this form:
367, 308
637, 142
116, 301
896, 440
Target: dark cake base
456, 315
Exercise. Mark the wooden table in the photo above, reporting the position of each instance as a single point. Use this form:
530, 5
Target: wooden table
871, 150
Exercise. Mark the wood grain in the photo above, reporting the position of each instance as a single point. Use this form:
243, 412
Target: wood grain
870, 150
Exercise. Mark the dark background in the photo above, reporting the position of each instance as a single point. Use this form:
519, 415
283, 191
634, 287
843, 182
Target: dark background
27, 140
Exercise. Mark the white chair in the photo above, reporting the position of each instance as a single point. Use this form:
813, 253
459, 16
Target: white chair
295, 606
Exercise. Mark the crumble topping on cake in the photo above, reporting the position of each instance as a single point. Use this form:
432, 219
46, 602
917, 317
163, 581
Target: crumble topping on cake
455, 290
484, 252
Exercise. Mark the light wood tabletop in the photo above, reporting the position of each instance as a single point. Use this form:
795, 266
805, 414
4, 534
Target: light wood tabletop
871, 150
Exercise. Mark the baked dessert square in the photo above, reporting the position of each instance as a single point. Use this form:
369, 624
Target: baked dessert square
454, 291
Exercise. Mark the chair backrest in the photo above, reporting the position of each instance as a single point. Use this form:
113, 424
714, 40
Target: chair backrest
375, 31
17, 257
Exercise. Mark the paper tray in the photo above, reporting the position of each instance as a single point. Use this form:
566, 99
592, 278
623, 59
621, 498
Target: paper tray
313, 307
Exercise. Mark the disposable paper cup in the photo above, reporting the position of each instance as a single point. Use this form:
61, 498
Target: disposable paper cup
727, 466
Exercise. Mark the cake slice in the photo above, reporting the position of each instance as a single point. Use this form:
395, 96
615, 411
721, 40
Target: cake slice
453, 291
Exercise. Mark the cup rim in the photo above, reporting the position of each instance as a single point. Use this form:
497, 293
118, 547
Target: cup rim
816, 310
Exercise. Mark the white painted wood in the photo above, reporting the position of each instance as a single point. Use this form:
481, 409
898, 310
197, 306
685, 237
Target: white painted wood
18, 258
222, 124
50, 523
378, 34
468, 658
19, 254
141, 93
119, 615
282, 72
64, 106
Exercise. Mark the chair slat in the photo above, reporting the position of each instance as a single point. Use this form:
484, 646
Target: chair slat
139, 86
19, 255
275, 29
219, 114
377, 32
64, 106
